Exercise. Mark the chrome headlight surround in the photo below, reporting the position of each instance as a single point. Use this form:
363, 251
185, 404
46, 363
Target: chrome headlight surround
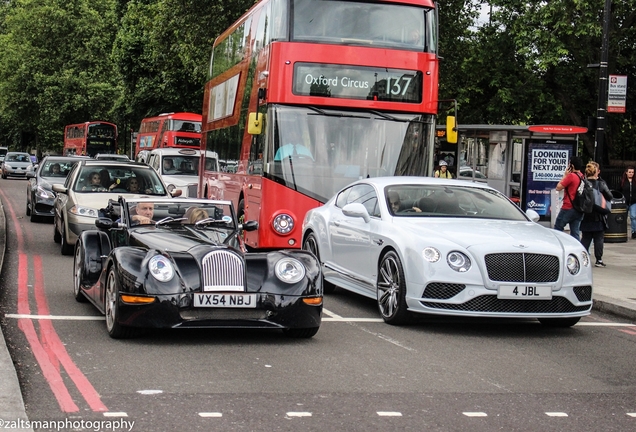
458, 261
84, 211
573, 264
431, 254
161, 268
283, 223
289, 270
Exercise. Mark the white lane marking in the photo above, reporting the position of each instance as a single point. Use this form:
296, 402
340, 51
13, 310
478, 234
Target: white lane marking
556, 414
115, 414
331, 314
298, 414
57, 317
475, 414
334, 318
149, 392
631, 414
389, 414
210, 414
386, 338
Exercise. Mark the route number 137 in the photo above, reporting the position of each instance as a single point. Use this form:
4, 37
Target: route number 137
398, 86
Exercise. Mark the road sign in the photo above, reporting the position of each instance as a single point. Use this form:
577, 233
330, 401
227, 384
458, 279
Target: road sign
617, 93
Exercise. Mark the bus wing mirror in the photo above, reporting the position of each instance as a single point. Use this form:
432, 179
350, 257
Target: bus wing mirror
255, 123
451, 130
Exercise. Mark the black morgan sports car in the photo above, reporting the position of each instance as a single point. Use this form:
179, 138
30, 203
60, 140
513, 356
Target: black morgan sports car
169, 263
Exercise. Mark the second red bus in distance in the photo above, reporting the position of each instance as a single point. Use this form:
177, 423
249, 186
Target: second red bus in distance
172, 130
90, 138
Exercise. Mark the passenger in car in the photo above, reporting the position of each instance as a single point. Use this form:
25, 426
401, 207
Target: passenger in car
196, 215
94, 183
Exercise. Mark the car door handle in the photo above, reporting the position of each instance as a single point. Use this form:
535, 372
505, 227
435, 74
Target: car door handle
379, 242
337, 223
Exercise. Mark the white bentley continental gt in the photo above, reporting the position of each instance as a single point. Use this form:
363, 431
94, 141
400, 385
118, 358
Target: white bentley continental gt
447, 247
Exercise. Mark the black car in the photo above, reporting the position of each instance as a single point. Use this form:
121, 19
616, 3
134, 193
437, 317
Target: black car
168, 263
40, 196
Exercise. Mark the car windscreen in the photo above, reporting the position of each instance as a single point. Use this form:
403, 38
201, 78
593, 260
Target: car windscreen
179, 213
118, 179
450, 201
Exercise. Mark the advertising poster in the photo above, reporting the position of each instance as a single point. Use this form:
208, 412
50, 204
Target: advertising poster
546, 163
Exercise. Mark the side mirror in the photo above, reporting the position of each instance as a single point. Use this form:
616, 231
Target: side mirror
106, 224
451, 130
176, 193
249, 226
356, 210
255, 123
533, 215
59, 188
30, 174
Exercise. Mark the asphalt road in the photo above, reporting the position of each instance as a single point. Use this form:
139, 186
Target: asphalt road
356, 374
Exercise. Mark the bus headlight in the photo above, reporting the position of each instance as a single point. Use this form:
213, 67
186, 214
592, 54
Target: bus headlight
283, 223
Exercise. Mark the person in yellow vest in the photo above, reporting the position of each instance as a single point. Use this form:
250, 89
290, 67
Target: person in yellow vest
443, 171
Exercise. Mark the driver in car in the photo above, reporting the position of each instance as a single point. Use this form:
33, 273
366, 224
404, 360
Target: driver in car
144, 213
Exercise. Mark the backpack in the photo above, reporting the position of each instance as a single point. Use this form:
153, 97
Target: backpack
583, 200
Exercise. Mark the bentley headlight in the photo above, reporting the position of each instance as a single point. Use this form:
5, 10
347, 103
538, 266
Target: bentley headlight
84, 211
586, 258
289, 270
161, 268
573, 264
431, 254
458, 261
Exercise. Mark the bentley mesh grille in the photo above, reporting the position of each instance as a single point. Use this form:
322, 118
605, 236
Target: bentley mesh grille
490, 303
442, 291
583, 293
223, 271
522, 267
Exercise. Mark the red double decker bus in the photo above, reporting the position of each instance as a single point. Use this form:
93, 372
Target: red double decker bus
306, 96
178, 130
90, 138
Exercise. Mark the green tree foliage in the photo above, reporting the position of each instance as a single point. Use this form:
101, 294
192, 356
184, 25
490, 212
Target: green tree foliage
55, 67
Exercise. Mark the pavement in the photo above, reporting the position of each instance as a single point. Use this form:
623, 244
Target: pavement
614, 293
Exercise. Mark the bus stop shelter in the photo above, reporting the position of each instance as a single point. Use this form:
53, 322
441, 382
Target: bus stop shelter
523, 162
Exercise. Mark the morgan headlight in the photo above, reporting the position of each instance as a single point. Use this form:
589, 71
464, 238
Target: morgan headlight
458, 261
289, 270
161, 268
84, 211
573, 264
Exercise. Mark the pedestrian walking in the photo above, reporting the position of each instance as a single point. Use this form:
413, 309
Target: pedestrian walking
569, 185
593, 224
628, 188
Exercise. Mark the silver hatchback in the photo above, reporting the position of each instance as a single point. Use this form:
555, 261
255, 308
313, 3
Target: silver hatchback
16, 164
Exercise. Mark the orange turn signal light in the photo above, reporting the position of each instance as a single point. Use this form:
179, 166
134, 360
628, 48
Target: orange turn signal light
313, 301
136, 299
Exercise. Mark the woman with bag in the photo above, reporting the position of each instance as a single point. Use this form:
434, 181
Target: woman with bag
593, 224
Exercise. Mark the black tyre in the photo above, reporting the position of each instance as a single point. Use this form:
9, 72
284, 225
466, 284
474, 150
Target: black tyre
311, 245
301, 333
559, 322
57, 237
65, 247
391, 290
111, 309
78, 273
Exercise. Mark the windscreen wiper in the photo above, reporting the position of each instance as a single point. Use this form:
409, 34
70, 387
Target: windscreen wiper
327, 114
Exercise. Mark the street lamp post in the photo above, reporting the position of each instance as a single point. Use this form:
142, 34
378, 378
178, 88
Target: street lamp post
601, 110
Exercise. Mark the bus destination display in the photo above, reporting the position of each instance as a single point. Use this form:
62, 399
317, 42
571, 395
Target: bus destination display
352, 82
